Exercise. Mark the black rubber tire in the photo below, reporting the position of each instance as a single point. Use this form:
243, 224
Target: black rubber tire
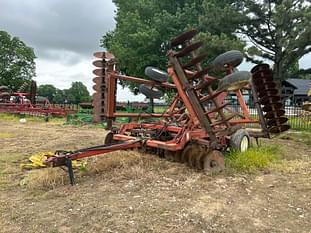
150, 92
237, 138
4, 88
234, 81
156, 74
231, 58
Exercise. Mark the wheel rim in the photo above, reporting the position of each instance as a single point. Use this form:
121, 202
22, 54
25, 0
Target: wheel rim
244, 144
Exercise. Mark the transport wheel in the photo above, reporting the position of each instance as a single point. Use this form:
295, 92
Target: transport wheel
213, 162
240, 140
150, 92
234, 81
231, 58
156, 74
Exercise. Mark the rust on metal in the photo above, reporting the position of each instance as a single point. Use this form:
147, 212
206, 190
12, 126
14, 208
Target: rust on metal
184, 37
199, 122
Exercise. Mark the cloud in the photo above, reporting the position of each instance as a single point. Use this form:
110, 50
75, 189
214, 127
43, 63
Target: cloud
71, 25
64, 35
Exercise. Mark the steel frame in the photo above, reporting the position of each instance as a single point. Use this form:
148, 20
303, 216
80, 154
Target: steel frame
32, 109
177, 126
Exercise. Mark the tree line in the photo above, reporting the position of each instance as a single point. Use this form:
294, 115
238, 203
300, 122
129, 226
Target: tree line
76, 94
17, 68
277, 31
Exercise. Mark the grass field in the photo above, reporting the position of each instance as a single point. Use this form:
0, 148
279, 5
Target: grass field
131, 191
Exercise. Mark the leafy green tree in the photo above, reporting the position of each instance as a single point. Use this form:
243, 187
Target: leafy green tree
279, 30
16, 61
48, 91
77, 93
59, 97
304, 73
145, 27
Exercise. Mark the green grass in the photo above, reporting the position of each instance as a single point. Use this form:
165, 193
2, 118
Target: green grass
17, 117
299, 124
298, 136
254, 159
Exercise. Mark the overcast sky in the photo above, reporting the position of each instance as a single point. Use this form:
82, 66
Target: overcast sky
64, 35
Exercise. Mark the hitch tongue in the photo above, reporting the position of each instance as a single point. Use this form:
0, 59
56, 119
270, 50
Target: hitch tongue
58, 159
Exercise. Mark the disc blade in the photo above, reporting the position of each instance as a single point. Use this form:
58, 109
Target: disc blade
99, 72
200, 74
213, 162
276, 121
262, 76
99, 63
269, 92
264, 85
260, 67
97, 80
269, 99
274, 114
272, 106
183, 37
190, 48
279, 129
103, 55
195, 60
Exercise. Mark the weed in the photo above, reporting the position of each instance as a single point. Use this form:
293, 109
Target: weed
44, 178
254, 159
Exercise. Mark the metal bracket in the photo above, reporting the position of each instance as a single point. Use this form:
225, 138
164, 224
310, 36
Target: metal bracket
70, 171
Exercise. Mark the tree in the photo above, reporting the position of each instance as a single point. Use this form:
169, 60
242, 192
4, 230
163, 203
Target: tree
145, 27
16, 61
59, 97
77, 93
48, 91
280, 31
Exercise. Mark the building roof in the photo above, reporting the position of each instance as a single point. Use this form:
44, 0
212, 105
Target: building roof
302, 85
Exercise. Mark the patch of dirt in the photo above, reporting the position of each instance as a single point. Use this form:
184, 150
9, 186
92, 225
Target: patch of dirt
134, 192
